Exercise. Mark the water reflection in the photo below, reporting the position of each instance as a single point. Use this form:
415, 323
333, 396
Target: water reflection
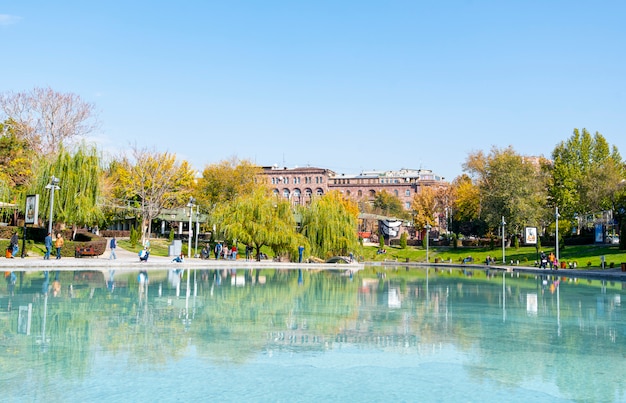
512, 329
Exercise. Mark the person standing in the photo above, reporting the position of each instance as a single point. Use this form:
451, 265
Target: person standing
113, 245
14, 244
59, 244
48, 244
300, 251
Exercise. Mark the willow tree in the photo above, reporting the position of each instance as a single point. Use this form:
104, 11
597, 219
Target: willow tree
259, 219
329, 224
80, 174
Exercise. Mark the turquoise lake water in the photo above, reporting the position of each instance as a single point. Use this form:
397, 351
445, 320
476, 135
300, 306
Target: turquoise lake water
380, 335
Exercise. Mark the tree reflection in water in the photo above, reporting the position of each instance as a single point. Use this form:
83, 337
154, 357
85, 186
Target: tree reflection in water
562, 326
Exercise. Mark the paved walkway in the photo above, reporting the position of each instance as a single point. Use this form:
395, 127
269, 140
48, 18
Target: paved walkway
127, 260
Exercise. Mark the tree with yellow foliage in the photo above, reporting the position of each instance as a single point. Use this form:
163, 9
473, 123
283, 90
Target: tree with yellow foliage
153, 181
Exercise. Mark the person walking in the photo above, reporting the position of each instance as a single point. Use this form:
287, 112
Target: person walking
113, 245
48, 244
59, 244
14, 244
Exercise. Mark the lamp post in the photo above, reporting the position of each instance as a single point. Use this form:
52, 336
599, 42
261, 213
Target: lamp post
191, 205
427, 227
197, 229
53, 185
556, 217
503, 253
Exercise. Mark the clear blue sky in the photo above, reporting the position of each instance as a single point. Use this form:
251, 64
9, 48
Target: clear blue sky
345, 85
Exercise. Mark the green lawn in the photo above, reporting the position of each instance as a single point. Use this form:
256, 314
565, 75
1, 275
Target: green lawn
587, 255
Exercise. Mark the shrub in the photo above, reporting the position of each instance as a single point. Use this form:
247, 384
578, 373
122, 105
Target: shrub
134, 237
403, 239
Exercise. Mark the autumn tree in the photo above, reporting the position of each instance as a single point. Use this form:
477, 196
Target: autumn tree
224, 181
329, 224
466, 206
258, 219
152, 181
47, 119
424, 206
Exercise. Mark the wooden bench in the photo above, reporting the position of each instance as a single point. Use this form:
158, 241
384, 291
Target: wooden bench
85, 251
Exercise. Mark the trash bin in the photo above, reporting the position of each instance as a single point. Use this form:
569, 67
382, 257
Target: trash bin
623, 266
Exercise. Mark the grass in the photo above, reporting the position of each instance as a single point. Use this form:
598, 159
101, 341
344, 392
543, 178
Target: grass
585, 256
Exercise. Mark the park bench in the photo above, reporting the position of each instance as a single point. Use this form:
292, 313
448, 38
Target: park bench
85, 251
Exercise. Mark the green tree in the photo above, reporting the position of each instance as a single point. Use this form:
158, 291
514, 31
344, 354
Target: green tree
511, 186
586, 175
389, 205
330, 225
259, 219
16, 158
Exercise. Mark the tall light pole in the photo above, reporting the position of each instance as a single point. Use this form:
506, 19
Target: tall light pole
191, 205
556, 217
503, 253
197, 229
427, 227
53, 185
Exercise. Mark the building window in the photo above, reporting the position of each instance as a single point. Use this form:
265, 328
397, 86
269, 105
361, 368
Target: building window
395, 192
359, 193
407, 192
407, 205
286, 193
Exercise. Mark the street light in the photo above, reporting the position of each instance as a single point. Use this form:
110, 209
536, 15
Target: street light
191, 205
556, 217
503, 255
53, 185
427, 227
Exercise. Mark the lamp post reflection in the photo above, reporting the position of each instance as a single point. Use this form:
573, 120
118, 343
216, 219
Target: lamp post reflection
556, 242
191, 205
503, 223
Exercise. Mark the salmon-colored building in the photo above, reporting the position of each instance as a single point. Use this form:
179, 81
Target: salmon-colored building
299, 184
